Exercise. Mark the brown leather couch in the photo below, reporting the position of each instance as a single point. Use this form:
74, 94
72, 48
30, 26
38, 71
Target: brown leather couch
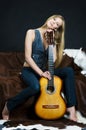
11, 84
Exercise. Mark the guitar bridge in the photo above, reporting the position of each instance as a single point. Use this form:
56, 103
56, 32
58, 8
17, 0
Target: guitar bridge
50, 106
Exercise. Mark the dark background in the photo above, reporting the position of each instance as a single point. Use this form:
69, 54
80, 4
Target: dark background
17, 16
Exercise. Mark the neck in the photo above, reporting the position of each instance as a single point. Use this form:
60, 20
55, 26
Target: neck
42, 33
42, 30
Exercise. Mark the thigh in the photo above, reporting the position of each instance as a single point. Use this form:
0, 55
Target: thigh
29, 76
64, 72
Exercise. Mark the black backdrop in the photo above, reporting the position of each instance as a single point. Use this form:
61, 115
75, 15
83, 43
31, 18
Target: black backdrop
17, 16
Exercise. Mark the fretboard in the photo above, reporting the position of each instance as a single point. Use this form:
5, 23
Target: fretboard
50, 64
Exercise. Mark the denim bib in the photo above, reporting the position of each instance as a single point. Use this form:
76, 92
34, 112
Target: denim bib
39, 54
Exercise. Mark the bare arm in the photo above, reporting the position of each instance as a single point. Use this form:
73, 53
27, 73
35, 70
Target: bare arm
30, 35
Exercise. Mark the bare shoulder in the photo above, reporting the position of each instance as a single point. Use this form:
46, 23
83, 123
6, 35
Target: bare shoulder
30, 34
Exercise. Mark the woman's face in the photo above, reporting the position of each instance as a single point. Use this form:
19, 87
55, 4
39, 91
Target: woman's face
54, 23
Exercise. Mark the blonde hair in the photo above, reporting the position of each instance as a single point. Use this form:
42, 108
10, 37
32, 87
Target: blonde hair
58, 39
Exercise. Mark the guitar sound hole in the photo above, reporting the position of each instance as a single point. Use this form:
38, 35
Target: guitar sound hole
50, 89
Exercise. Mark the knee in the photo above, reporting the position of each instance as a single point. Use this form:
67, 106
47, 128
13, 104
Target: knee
33, 88
36, 88
69, 71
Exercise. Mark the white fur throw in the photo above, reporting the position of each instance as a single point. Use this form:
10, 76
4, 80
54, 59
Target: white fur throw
79, 58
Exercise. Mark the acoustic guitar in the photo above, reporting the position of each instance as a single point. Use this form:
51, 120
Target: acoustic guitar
50, 104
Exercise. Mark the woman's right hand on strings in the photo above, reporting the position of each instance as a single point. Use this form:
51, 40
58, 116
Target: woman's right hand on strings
46, 74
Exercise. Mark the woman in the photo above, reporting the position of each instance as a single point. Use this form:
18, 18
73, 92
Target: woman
36, 47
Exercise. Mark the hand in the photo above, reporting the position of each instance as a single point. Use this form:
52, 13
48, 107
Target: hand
46, 74
49, 36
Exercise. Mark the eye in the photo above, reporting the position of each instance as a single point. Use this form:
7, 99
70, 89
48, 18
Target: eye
54, 19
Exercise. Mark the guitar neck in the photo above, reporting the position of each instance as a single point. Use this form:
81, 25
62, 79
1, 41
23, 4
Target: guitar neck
50, 60
50, 64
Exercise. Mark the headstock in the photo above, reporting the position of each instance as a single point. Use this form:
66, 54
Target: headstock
49, 37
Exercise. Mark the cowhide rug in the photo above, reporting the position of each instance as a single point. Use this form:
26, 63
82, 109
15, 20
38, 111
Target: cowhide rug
43, 127
37, 127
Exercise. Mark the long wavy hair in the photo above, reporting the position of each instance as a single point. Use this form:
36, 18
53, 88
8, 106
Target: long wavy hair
58, 39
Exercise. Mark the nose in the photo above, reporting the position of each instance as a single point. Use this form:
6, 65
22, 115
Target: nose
55, 24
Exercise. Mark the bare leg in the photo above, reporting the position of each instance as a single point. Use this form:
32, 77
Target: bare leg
72, 113
5, 112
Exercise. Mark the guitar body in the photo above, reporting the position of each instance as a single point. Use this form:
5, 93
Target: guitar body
50, 105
